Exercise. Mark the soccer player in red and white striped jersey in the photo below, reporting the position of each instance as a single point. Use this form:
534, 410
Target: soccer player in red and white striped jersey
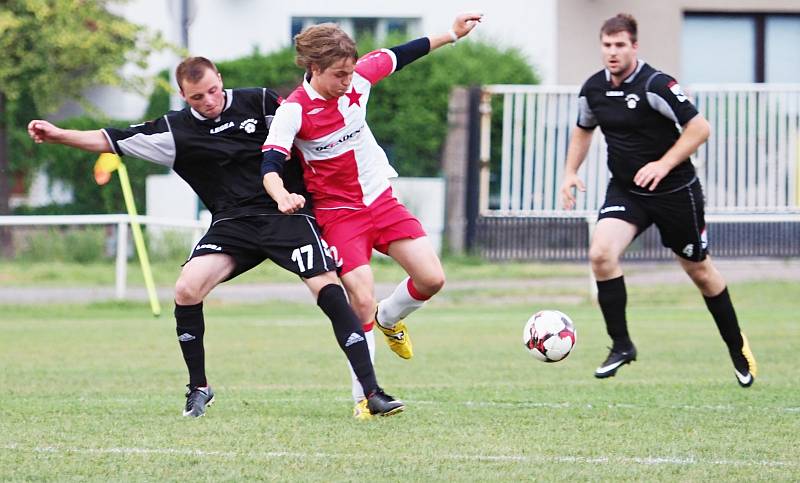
347, 173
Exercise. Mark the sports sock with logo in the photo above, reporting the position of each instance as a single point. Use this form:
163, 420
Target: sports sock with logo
349, 334
404, 300
358, 391
612, 297
190, 329
722, 310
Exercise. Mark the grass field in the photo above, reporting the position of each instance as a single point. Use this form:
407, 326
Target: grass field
95, 392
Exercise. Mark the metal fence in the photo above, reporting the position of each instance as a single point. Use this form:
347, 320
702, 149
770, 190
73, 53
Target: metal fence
121, 222
749, 166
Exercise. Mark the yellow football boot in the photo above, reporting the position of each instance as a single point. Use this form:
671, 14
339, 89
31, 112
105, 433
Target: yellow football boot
397, 337
361, 411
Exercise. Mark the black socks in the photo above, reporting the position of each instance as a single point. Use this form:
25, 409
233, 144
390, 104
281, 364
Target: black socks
724, 315
349, 334
613, 298
190, 329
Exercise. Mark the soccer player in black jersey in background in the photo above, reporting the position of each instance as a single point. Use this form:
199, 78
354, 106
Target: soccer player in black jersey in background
214, 144
653, 182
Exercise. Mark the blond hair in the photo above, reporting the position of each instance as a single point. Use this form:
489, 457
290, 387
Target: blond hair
323, 45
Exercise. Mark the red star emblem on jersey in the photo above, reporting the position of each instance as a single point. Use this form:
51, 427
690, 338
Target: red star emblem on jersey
354, 97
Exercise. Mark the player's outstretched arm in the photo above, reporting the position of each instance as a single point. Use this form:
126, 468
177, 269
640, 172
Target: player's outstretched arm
462, 25
578, 148
45, 132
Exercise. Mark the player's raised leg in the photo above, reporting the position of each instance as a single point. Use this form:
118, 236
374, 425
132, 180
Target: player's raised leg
610, 239
426, 278
198, 277
715, 293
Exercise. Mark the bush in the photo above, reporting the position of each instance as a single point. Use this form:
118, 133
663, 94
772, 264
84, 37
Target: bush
79, 245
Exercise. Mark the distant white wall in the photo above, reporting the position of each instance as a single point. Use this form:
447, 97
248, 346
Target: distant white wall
228, 29
43, 192
168, 196
424, 198
243, 24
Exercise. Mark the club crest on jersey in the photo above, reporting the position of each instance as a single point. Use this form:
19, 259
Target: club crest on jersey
223, 127
249, 125
631, 100
675, 88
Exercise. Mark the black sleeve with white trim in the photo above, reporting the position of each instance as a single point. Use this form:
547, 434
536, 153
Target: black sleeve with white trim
151, 141
586, 117
665, 95
411, 51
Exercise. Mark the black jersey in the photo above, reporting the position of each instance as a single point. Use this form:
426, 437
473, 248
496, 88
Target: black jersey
638, 119
219, 158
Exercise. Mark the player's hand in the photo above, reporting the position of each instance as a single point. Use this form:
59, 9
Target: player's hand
290, 203
651, 174
567, 193
41, 131
465, 22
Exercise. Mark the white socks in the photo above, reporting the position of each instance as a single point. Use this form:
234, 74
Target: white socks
404, 300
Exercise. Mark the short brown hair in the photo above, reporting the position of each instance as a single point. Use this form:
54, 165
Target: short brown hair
621, 22
323, 45
193, 69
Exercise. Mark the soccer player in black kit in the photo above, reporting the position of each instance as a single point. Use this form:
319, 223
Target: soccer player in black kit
214, 144
653, 182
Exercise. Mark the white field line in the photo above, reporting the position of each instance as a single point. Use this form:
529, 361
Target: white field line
645, 460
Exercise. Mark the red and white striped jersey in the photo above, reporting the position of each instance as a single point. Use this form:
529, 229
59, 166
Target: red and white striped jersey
343, 165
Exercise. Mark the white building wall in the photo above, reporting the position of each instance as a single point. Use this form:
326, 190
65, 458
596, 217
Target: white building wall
228, 29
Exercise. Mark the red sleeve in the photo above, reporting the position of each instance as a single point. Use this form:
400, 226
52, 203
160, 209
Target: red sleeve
376, 65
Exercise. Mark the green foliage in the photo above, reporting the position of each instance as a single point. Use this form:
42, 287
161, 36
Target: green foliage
23, 153
159, 100
276, 70
408, 111
55, 49
74, 167
76, 245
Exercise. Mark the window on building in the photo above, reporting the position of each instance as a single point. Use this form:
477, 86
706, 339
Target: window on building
740, 47
362, 27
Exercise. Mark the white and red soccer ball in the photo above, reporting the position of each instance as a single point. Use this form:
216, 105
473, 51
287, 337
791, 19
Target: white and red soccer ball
549, 335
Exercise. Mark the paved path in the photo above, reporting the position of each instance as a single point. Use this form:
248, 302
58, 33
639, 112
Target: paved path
636, 273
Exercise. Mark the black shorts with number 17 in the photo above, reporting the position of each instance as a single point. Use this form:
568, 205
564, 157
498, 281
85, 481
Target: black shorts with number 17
679, 216
291, 241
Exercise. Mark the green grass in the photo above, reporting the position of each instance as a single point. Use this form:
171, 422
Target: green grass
58, 273
94, 392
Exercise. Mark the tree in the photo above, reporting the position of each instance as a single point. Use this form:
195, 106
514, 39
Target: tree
53, 50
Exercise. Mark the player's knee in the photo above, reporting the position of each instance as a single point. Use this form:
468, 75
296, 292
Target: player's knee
701, 275
363, 305
601, 257
187, 293
429, 284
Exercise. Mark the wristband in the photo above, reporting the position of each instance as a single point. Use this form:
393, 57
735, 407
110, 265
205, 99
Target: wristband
453, 35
